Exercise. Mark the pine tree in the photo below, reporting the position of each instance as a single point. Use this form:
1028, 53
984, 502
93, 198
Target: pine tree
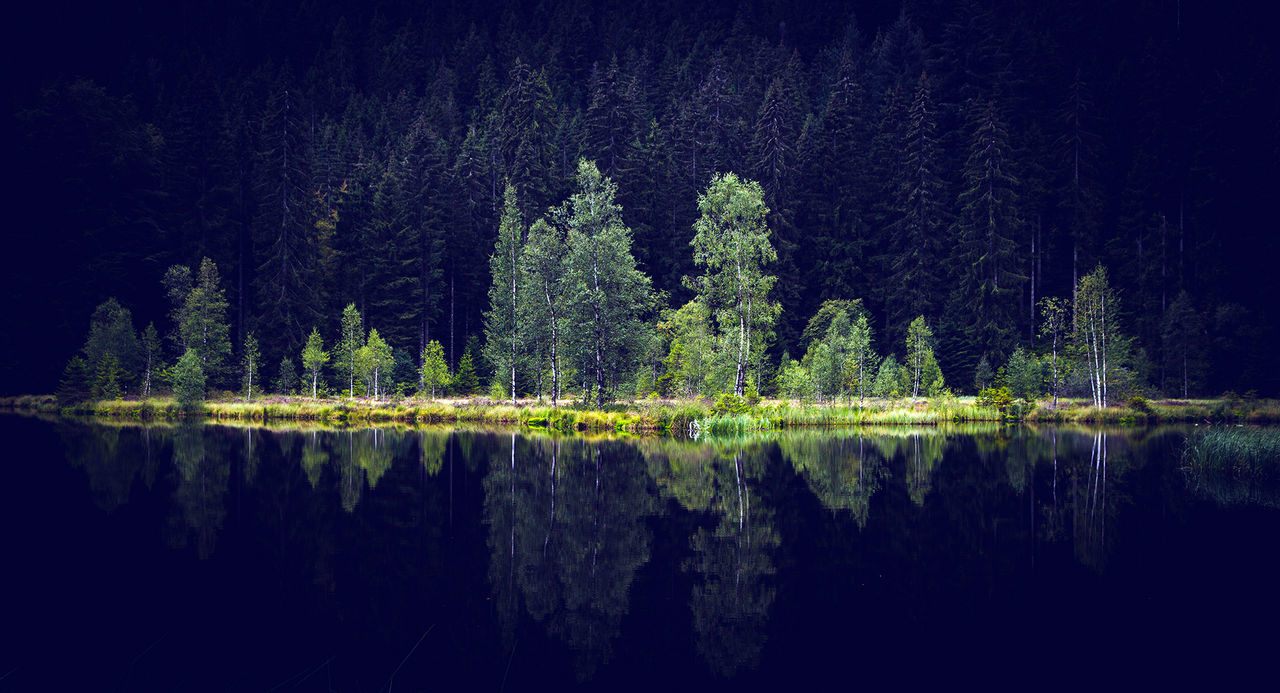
286, 382
202, 321
189, 380
921, 217
111, 338
502, 323
285, 242
989, 281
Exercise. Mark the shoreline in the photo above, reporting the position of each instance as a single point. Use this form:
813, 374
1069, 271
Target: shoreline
652, 417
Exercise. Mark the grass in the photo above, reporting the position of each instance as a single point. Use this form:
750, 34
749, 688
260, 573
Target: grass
1234, 465
1241, 453
659, 416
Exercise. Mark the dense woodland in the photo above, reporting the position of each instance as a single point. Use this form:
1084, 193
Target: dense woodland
946, 164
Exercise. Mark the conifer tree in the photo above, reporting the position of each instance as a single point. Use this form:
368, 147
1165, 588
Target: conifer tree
989, 280
502, 322
286, 382
921, 215
189, 380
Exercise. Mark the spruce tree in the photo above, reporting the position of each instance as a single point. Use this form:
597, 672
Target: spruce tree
502, 322
920, 216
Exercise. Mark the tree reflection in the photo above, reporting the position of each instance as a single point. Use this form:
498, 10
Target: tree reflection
566, 535
202, 478
844, 472
734, 561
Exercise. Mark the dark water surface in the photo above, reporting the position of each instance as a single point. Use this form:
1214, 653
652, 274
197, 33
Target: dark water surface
227, 558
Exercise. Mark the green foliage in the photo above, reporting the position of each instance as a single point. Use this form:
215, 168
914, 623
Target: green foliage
502, 319
350, 341
435, 370
74, 386
202, 319
606, 292
374, 361
466, 382
314, 357
983, 376
1140, 405
793, 380
286, 382
150, 357
889, 381
1024, 375
731, 240
111, 348
106, 378
999, 397
925, 376
188, 380
729, 404
250, 357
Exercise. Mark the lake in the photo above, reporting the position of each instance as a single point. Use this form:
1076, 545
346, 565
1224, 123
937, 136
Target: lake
208, 557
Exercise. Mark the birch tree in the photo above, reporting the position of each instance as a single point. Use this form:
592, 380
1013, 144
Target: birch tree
350, 340
249, 363
501, 324
314, 357
543, 270
1055, 313
919, 353
731, 240
1097, 339
150, 356
606, 293
435, 370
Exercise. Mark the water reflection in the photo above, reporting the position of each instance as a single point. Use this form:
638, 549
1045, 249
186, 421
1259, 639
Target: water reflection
566, 537
565, 527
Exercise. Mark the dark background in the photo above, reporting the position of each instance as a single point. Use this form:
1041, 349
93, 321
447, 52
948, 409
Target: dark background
100, 189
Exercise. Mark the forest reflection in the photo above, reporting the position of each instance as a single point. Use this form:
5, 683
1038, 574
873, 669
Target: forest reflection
569, 523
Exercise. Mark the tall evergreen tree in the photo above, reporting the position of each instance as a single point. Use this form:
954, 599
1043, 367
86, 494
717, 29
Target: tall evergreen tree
502, 321
989, 280
920, 216
285, 241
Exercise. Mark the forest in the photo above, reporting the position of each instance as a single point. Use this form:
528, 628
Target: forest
620, 200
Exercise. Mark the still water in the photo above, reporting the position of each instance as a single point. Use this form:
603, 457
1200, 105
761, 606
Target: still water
211, 557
